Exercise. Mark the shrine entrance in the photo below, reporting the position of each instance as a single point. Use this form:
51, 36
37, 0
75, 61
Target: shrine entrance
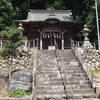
47, 36
50, 42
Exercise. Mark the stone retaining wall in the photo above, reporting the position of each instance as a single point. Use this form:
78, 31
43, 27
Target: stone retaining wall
8, 98
21, 62
91, 57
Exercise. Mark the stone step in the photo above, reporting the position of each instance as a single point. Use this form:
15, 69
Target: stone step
52, 65
58, 71
69, 59
67, 56
61, 87
71, 75
42, 83
75, 91
46, 55
49, 66
61, 73
80, 79
67, 96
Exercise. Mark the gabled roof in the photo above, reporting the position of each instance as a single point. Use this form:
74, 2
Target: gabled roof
42, 15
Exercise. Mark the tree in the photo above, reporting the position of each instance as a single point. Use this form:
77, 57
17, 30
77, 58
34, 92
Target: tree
81, 9
14, 39
5, 14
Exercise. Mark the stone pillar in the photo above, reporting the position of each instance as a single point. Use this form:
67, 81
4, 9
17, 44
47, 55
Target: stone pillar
62, 41
41, 41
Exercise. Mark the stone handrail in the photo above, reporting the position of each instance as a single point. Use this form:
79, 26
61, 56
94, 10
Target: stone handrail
82, 62
61, 67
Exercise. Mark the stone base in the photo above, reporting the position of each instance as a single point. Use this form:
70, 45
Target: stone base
51, 47
40, 48
98, 91
62, 48
87, 45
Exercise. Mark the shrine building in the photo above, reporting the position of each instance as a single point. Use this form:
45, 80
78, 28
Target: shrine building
48, 25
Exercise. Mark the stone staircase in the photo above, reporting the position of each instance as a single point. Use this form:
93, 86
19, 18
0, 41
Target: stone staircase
50, 83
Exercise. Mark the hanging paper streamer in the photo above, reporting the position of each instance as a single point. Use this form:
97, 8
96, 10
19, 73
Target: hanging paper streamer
54, 35
43, 36
59, 36
48, 36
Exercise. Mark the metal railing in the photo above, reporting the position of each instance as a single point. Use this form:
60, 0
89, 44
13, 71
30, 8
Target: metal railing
62, 68
85, 67
79, 44
31, 43
34, 65
28, 44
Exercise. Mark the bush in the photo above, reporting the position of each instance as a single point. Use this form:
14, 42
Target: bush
16, 93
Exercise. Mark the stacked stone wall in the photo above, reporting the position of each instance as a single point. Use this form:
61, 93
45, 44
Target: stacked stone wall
20, 62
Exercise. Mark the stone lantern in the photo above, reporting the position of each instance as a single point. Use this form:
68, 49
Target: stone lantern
87, 44
20, 27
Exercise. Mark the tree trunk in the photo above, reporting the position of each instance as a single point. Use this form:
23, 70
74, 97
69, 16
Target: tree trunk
10, 68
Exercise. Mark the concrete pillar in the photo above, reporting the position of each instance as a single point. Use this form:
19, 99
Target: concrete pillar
41, 41
62, 41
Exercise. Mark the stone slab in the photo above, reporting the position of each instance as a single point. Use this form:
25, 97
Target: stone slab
51, 47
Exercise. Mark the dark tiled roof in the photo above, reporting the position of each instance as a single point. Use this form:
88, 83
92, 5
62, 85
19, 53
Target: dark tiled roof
42, 15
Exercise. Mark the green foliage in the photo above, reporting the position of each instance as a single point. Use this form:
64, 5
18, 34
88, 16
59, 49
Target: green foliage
81, 9
5, 14
57, 4
93, 71
14, 39
16, 93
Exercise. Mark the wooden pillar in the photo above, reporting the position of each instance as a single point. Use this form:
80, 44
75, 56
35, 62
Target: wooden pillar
62, 41
40, 41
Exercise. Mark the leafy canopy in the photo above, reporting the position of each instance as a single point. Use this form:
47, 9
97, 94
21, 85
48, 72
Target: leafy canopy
5, 14
14, 39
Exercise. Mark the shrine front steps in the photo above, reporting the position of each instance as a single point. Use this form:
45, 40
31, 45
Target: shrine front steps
50, 79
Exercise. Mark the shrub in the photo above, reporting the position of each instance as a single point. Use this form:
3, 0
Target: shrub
16, 93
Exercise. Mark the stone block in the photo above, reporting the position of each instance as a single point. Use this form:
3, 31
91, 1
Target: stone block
98, 91
21, 80
51, 47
